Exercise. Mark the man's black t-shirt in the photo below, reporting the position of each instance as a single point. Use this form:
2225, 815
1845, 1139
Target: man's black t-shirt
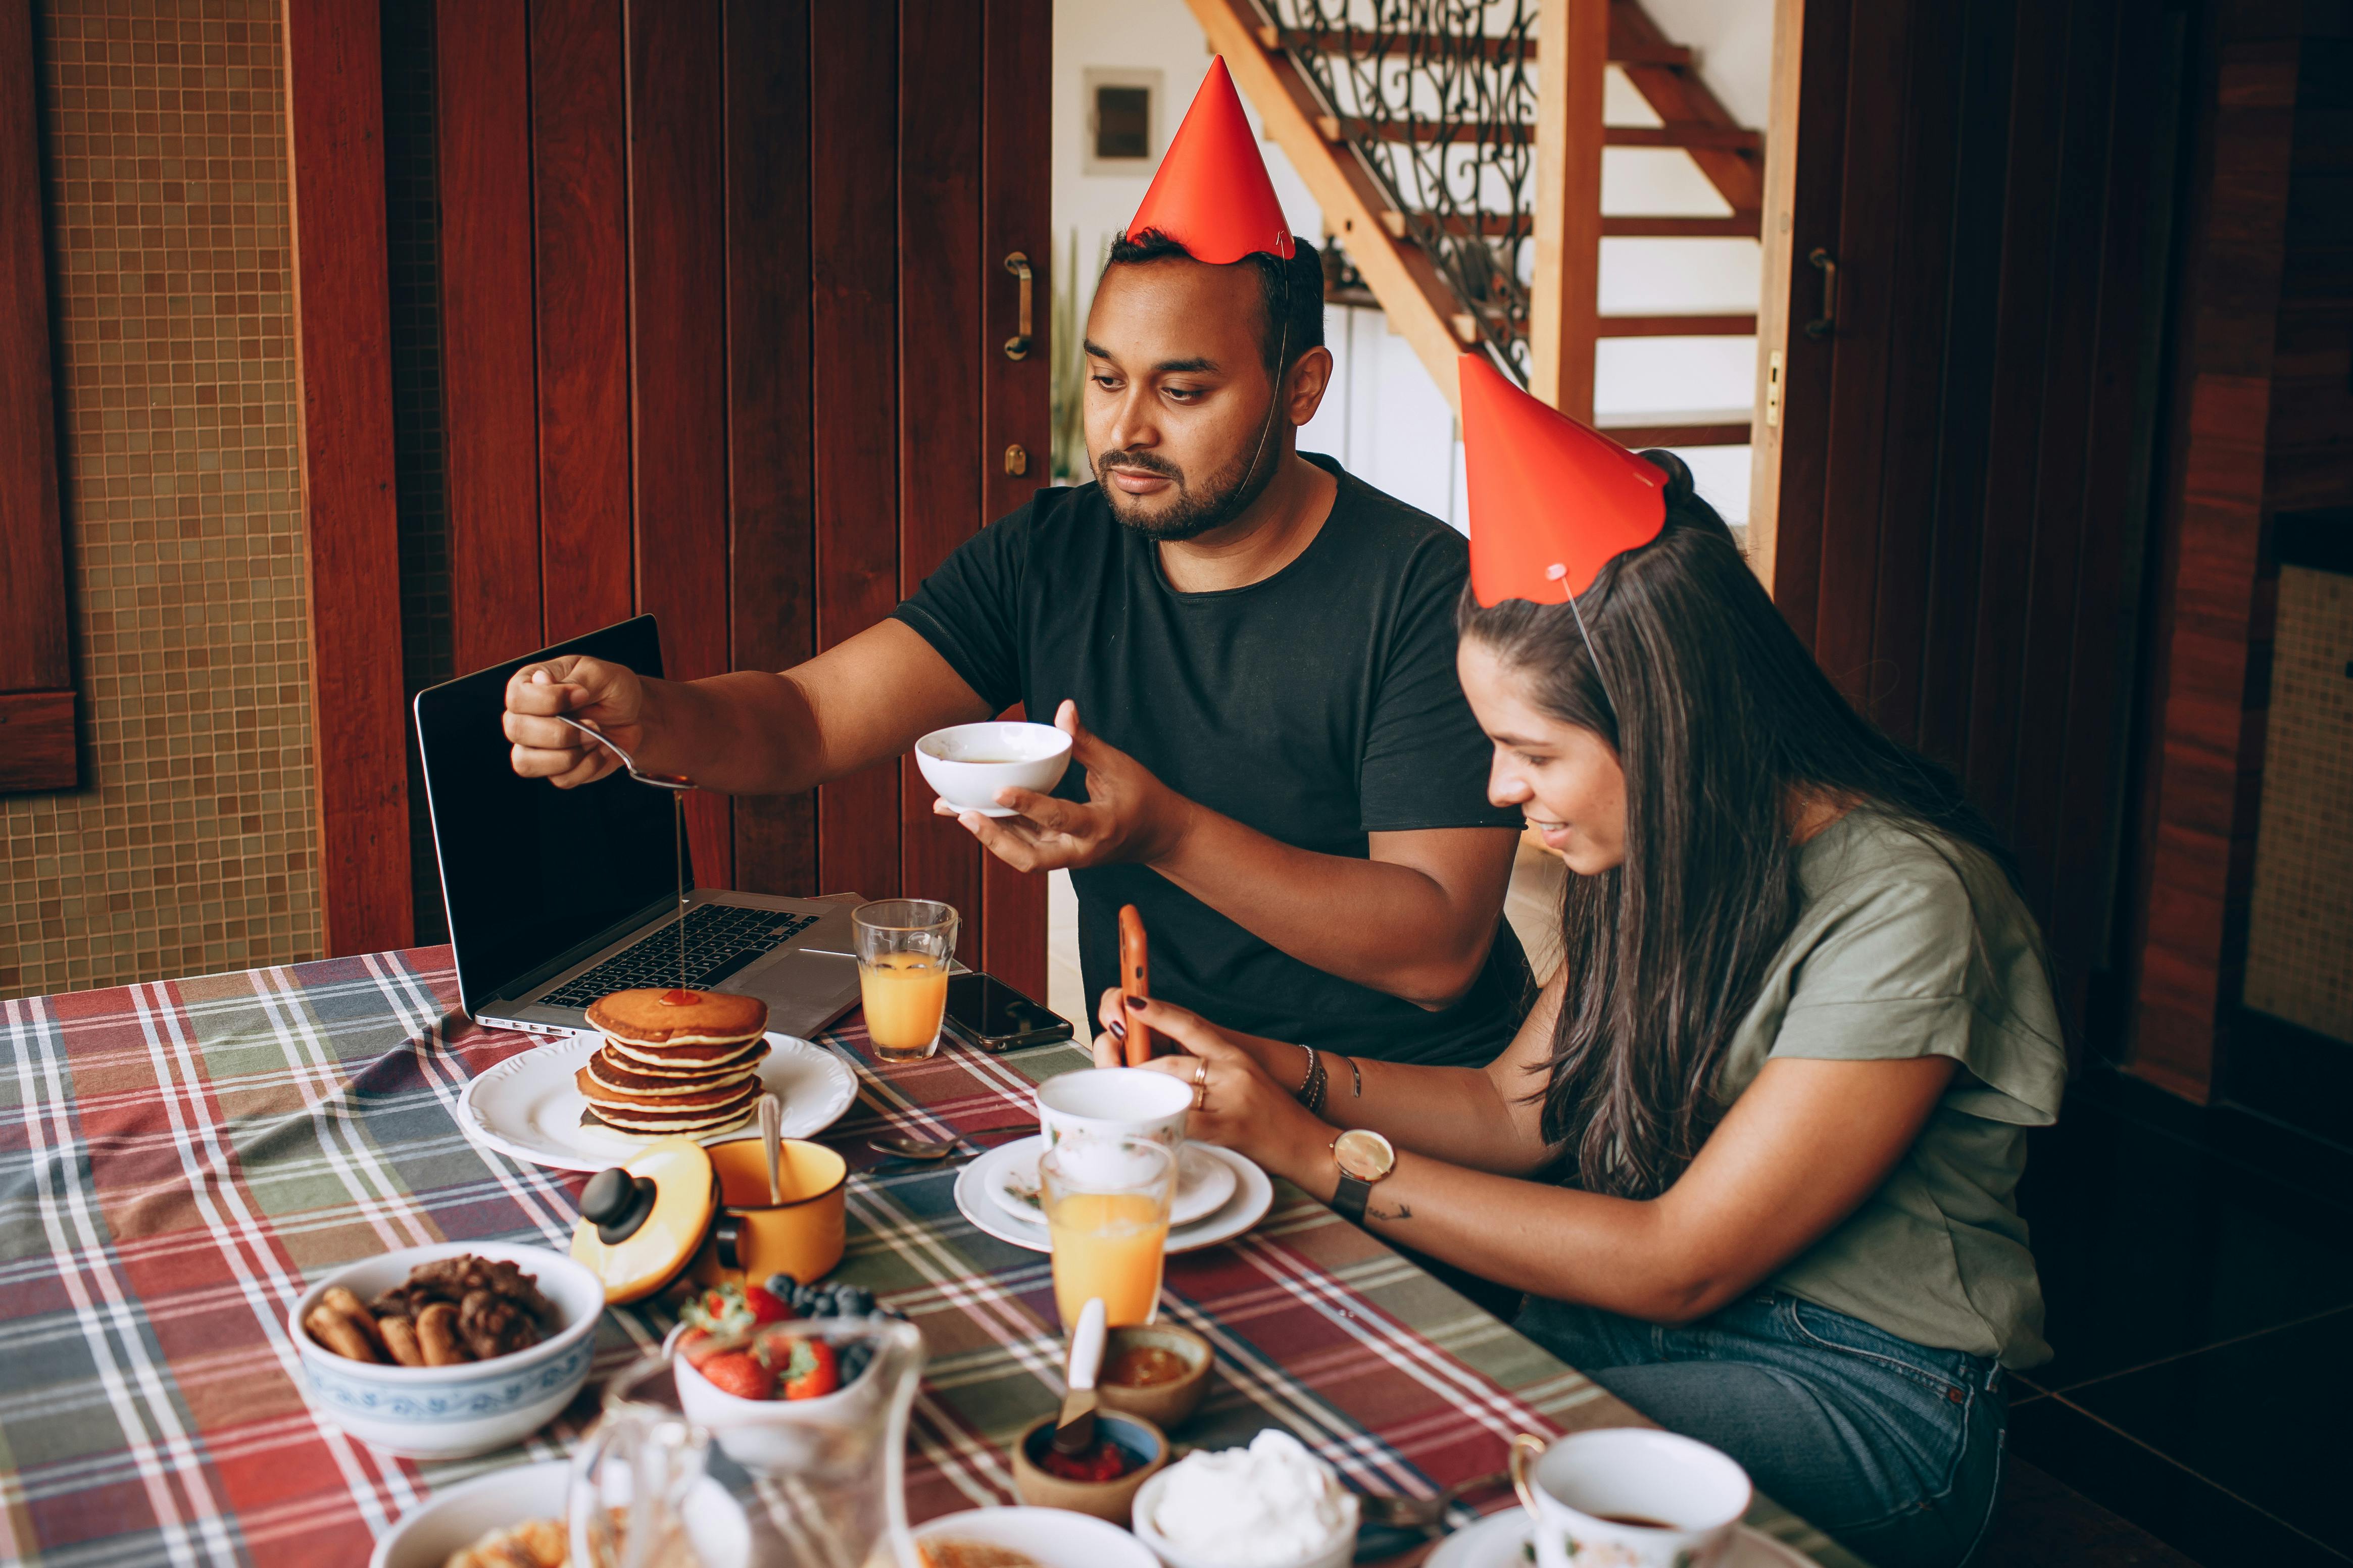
1317, 706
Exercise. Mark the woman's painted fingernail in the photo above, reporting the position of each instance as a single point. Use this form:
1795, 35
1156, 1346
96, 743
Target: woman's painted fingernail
1139, 1003
1118, 1029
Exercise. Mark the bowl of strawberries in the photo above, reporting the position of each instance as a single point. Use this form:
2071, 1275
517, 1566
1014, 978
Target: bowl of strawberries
769, 1367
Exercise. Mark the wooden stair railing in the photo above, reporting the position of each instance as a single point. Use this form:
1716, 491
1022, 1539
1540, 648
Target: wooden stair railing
1297, 67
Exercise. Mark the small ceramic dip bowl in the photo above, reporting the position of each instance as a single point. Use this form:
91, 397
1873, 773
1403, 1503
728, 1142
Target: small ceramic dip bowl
1167, 1401
1110, 1500
968, 764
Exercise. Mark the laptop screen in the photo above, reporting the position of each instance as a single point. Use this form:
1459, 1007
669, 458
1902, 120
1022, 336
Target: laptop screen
528, 871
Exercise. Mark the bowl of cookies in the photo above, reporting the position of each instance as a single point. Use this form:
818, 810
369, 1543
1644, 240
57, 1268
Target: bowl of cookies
449, 1350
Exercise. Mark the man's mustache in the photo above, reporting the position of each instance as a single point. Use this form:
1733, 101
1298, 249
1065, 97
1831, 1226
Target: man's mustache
1141, 463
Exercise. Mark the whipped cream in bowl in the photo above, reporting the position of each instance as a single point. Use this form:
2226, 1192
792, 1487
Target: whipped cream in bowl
1271, 1505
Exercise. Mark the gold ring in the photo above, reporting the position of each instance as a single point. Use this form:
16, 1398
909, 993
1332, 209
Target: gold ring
1201, 1086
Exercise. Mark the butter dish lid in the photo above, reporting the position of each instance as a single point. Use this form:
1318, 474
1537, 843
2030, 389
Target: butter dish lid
641, 1224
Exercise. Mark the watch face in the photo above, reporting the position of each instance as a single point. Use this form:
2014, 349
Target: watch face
1363, 1155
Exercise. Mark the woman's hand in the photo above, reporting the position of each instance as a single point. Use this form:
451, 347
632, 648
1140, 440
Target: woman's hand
1236, 1104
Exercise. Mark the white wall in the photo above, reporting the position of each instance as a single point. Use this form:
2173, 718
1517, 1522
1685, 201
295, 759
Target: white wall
1385, 420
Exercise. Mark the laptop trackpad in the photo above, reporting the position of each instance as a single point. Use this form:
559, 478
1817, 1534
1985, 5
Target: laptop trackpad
799, 983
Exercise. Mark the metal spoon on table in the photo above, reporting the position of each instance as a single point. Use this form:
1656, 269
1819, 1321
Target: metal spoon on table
1423, 1512
771, 1131
659, 780
903, 1148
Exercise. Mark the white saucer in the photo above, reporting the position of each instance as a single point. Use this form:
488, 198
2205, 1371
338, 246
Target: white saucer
528, 1106
1253, 1195
1499, 1541
1203, 1184
437, 1529
1049, 1537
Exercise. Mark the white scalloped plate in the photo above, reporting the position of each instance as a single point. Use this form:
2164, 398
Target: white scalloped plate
528, 1108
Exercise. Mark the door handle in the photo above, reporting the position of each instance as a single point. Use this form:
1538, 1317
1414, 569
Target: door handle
1826, 323
1018, 345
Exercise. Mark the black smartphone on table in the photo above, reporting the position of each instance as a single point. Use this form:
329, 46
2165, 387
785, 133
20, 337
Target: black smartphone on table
986, 1012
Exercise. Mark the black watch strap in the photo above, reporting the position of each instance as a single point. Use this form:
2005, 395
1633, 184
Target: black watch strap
1349, 1198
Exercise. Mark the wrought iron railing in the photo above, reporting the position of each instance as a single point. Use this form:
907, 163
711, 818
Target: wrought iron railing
1437, 99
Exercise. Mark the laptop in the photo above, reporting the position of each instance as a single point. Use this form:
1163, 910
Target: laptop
558, 896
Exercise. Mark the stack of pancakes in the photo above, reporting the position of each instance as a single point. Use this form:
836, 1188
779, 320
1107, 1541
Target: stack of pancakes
674, 1062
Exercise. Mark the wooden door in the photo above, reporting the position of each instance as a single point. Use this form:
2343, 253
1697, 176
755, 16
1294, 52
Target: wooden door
720, 303
1954, 488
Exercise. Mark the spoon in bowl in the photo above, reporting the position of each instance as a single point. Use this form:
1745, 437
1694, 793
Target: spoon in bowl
659, 780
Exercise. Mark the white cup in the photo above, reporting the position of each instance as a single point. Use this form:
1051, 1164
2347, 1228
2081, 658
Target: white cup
1113, 1102
968, 764
1628, 1497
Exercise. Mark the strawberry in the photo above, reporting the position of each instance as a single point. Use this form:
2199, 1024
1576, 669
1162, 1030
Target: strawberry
694, 1347
767, 1306
812, 1373
741, 1373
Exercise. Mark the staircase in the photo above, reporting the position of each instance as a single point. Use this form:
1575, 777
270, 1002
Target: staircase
1455, 148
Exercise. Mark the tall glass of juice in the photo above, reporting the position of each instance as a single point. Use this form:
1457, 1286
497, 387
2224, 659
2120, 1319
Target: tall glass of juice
1106, 1202
905, 946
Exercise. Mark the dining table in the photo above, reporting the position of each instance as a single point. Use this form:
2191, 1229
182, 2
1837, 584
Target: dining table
178, 1158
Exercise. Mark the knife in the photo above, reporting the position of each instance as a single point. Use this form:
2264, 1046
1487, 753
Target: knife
1074, 1434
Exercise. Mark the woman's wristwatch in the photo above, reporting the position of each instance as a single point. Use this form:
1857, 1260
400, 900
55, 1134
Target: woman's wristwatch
1365, 1157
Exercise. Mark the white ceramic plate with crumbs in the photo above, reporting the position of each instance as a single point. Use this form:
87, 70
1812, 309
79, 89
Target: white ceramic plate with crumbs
1253, 1195
429, 1534
1204, 1183
528, 1106
1049, 1537
1500, 1540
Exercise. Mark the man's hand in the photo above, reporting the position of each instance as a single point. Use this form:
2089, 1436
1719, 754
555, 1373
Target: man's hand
609, 696
1128, 815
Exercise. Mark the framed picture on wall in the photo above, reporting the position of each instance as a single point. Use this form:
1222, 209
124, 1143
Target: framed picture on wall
1122, 120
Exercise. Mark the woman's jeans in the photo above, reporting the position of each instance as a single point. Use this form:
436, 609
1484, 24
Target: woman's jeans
1892, 1448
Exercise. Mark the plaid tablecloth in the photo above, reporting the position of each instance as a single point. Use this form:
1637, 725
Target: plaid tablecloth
176, 1158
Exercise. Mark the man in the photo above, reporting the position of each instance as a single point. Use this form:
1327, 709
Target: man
1254, 653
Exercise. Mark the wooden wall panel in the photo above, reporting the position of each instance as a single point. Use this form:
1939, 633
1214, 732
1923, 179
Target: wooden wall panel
2199, 802
772, 490
1017, 168
335, 117
36, 723
854, 264
579, 173
1956, 541
940, 59
678, 321
488, 355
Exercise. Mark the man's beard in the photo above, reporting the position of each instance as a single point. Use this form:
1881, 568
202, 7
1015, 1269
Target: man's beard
1223, 498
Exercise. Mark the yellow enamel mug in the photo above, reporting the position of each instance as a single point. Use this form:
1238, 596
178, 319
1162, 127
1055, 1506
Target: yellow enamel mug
751, 1237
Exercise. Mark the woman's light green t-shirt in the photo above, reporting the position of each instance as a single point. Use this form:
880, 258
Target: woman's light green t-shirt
1912, 946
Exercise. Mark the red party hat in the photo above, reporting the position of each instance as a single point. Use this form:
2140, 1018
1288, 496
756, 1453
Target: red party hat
1551, 501
1212, 195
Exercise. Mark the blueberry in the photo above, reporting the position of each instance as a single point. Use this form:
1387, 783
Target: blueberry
853, 1362
859, 1301
782, 1285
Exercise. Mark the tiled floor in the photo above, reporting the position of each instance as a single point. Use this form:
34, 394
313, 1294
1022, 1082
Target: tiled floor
2199, 1270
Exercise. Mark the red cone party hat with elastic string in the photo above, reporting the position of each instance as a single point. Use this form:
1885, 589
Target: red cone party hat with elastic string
1212, 195
1551, 501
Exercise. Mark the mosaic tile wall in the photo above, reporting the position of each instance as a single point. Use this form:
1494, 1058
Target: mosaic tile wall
2300, 925
164, 123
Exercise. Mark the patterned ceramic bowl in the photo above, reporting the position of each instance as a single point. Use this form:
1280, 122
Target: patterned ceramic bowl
453, 1412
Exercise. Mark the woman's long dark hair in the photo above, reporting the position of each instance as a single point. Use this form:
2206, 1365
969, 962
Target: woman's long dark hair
1722, 723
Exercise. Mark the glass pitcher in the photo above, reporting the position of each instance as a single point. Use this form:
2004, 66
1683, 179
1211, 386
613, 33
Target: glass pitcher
677, 1474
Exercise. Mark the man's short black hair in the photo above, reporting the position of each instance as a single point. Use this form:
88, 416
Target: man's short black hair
1296, 285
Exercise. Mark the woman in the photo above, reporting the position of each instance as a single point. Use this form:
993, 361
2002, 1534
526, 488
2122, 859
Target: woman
1752, 1155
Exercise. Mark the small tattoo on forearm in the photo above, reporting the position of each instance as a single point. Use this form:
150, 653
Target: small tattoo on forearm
1403, 1211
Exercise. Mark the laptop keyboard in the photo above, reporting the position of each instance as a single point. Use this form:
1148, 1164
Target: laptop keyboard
719, 939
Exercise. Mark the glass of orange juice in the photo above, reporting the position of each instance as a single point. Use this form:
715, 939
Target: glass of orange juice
1106, 1201
903, 949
